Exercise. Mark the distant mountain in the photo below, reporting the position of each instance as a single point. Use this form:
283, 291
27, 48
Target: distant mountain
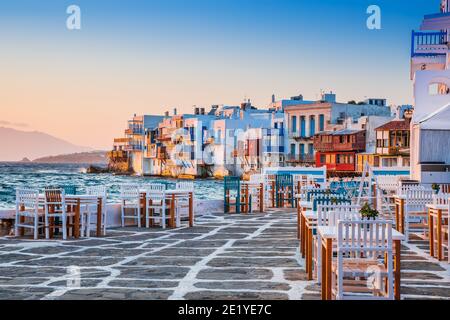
94, 157
16, 145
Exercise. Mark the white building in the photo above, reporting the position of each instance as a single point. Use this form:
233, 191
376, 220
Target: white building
430, 134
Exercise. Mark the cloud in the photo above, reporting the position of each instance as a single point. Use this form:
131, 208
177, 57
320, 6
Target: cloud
13, 124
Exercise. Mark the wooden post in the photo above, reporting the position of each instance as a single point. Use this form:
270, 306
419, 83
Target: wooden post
324, 269
21, 221
273, 194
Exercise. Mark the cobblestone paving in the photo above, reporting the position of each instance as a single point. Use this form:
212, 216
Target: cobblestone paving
222, 257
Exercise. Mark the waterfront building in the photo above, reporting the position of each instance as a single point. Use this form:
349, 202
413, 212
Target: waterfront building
132, 146
393, 144
307, 119
430, 72
337, 149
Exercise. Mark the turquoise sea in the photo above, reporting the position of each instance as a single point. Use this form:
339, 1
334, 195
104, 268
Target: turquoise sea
13, 175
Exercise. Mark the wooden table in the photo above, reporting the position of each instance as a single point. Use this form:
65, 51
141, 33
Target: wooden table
77, 201
171, 195
436, 212
328, 235
399, 202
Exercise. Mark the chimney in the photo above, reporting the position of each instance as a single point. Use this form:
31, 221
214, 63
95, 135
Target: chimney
166, 114
273, 98
196, 111
202, 111
174, 111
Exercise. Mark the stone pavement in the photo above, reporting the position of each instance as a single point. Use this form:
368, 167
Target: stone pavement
222, 257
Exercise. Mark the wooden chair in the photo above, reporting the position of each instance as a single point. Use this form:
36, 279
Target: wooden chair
56, 209
100, 192
27, 207
363, 268
130, 199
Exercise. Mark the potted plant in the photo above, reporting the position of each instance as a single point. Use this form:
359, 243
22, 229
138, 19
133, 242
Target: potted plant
368, 213
435, 187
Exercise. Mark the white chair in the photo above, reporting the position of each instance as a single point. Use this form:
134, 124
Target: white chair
329, 215
363, 269
416, 212
27, 206
182, 201
130, 199
156, 208
57, 207
100, 192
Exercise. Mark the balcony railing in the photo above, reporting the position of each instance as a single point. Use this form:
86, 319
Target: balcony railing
134, 147
428, 44
333, 146
300, 158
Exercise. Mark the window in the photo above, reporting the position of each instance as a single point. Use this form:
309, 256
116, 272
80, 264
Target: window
322, 159
321, 122
293, 149
438, 88
302, 127
294, 123
312, 126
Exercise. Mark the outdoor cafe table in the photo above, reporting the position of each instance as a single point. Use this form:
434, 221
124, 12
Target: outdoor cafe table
436, 212
171, 196
78, 201
328, 235
308, 223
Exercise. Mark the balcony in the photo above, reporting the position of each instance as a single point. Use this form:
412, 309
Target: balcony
298, 136
300, 158
134, 147
333, 146
117, 154
121, 140
428, 44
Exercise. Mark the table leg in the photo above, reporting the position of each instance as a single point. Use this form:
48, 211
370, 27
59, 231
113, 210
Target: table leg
402, 216
76, 223
22, 221
172, 211
298, 222
397, 216
328, 257
302, 236
324, 269
397, 270
439, 234
99, 217
261, 198
273, 194
191, 209
431, 231
309, 253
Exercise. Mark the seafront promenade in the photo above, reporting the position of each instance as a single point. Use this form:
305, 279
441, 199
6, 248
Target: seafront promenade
225, 256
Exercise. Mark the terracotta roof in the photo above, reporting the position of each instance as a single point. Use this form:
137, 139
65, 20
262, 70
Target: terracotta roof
394, 125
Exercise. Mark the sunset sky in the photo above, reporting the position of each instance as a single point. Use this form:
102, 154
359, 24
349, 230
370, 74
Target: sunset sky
146, 57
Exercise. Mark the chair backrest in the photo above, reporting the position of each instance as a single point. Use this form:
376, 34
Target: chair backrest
232, 184
418, 198
364, 238
129, 192
284, 180
331, 199
155, 188
185, 185
27, 198
387, 182
69, 189
55, 196
334, 216
323, 211
100, 191
441, 198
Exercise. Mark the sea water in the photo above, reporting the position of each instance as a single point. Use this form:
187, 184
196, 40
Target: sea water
34, 175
